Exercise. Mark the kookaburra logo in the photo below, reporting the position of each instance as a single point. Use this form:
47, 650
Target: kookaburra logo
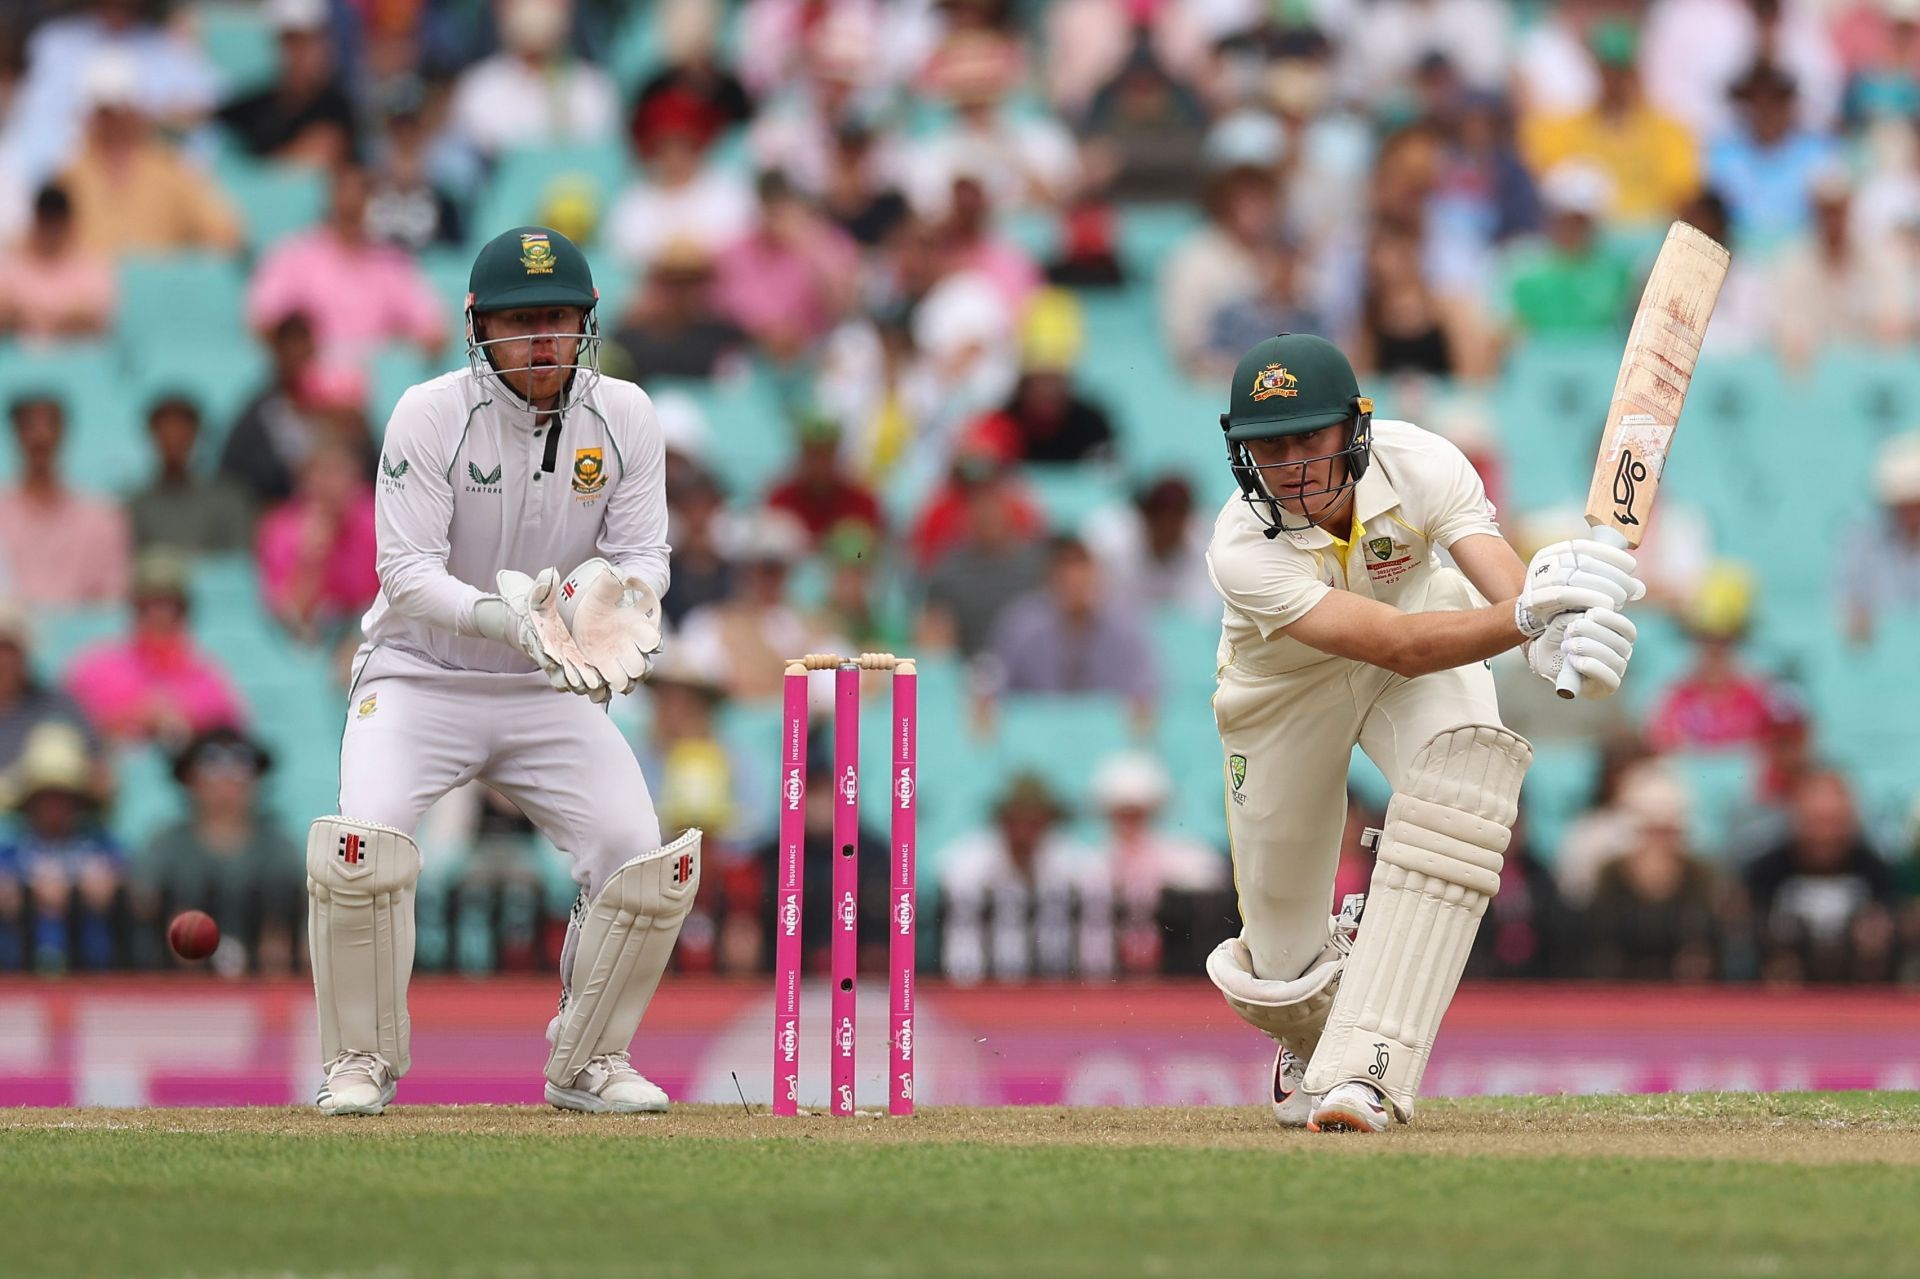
846, 1096
1380, 1059
849, 912
794, 789
906, 1087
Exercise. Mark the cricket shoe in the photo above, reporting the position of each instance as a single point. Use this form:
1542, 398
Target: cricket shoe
609, 1085
1350, 1107
1292, 1104
357, 1084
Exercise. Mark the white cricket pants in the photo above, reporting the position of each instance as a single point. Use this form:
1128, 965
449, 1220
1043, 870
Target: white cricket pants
415, 731
1297, 732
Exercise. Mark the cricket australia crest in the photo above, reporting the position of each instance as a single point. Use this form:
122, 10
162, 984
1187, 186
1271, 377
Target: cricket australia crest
1274, 380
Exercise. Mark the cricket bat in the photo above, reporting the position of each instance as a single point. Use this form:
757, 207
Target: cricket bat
1655, 372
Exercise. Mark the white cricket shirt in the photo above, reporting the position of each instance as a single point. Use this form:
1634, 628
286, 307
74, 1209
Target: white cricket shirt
462, 494
1418, 496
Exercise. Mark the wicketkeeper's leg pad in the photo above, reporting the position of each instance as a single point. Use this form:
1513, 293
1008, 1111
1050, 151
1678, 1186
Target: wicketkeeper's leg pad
624, 943
1292, 1012
360, 882
1439, 865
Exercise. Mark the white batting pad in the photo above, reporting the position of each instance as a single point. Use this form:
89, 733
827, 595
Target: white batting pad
1439, 866
360, 878
623, 948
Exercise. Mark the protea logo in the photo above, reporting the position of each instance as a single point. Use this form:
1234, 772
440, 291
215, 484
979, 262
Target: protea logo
793, 790
789, 1042
903, 788
849, 912
850, 785
903, 914
906, 1040
843, 1039
846, 1096
790, 917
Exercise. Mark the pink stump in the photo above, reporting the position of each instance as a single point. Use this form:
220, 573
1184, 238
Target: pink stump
787, 893
846, 879
900, 963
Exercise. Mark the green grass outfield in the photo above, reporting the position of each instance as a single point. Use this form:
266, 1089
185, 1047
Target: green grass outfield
1723, 1184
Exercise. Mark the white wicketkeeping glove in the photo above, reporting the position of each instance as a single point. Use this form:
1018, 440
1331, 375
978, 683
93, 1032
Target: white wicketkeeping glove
538, 631
615, 620
1568, 576
1596, 642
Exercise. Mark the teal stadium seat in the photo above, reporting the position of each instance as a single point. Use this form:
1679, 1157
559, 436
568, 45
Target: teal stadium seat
57, 637
147, 798
220, 376
389, 374
1558, 785
276, 202
1188, 746
1721, 784
237, 39
748, 428
1163, 421
1149, 233
105, 449
523, 180
1552, 403
186, 299
1070, 493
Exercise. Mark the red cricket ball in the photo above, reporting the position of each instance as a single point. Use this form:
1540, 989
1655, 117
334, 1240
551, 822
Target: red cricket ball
193, 934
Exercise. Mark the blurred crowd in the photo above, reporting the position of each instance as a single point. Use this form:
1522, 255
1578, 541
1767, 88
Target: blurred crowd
899, 217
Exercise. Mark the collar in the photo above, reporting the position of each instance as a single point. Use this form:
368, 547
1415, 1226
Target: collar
1373, 497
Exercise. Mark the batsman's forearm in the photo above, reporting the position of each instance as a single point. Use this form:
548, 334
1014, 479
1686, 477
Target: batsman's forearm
1423, 643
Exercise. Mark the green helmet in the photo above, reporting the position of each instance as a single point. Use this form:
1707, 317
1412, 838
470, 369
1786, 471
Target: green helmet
1294, 384
533, 266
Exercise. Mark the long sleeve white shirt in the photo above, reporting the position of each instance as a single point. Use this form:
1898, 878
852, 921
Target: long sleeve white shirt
463, 493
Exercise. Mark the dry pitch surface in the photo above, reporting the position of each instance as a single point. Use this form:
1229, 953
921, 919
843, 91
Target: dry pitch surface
1724, 1184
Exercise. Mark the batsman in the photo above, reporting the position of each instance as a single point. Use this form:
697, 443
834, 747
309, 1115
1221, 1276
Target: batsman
1356, 563
522, 525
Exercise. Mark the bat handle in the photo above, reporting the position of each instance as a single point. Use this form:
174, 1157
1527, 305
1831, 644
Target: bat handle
1568, 685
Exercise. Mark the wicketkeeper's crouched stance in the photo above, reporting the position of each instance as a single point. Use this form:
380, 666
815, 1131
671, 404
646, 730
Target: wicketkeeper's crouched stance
1343, 626
496, 480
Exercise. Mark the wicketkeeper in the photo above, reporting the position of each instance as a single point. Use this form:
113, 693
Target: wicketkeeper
522, 553
1346, 625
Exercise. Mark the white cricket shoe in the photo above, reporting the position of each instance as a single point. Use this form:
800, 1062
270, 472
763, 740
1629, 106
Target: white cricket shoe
1351, 1107
1292, 1104
609, 1085
357, 1084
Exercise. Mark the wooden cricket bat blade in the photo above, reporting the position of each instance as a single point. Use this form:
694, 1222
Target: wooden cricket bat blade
1655, 372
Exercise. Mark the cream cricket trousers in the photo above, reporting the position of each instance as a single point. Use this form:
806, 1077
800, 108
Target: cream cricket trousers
1296, 733
415, 731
